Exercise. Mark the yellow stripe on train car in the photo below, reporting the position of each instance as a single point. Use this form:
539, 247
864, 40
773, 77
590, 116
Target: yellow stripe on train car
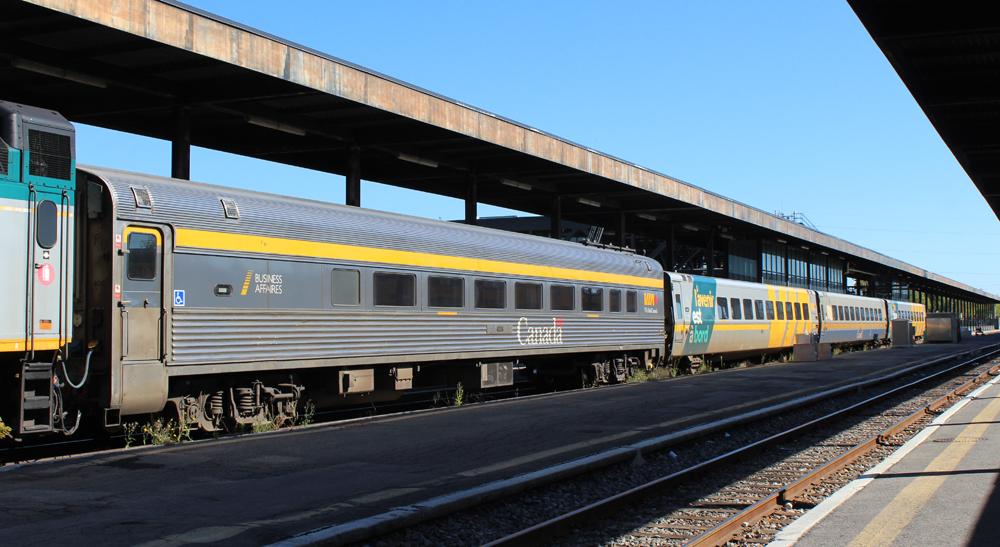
225, 241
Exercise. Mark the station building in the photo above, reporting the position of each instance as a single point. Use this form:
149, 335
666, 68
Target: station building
163, 69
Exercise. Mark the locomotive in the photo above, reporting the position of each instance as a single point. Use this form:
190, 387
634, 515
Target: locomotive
135, 294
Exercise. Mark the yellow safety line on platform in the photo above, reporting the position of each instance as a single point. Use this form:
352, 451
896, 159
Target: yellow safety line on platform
224, 241
893, 518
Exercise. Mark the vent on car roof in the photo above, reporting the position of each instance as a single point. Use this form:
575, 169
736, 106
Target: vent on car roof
143, 199
50, 154
229, 208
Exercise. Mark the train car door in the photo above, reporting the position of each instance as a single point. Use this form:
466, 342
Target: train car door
141, 303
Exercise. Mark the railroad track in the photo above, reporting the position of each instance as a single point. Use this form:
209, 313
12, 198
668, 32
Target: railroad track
745, 495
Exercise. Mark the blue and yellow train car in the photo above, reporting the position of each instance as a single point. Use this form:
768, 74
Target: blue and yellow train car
725, 317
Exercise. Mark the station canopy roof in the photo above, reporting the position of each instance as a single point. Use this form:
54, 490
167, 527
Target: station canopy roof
133, 65
948, 55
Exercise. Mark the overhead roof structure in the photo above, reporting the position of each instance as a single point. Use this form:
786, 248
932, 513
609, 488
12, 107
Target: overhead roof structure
948, 55
164, 69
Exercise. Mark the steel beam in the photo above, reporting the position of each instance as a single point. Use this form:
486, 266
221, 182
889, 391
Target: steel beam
471, 200
180, 145
555, 218
352, 195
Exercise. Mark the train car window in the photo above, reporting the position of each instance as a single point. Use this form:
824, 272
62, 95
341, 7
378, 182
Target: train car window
798, 311
445, 292
737, 311
871, 315
770, 310
561, 297
780, 308
614, 300
758, 306
592, 298
141, 258
393, 289
632, 302
528, 296
805, 311
46, 224
788, 311
345, 287
722, 308
854, 314
747, 309
491, 294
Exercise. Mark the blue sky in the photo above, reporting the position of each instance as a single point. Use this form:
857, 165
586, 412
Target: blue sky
783, 105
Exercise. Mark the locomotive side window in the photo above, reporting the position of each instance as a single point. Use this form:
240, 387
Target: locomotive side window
770, 310
592, 298
788, 311
528, 296
758, 306
345, 287
737, 311
561, 297
141, 259
805, 311
632, 301
614, 300
394, 289
722, 308
491, 294
445, 292
47, 224
780, 308
747, 309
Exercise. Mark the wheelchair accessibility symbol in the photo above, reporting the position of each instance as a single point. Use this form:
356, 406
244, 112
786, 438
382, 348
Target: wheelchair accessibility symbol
179, 298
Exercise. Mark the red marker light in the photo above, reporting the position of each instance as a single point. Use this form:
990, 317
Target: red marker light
46, 273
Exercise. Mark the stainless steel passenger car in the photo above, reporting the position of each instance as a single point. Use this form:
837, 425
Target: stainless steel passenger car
849, 319
219, 295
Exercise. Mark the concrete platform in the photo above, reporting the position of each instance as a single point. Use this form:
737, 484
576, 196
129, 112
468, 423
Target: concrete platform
264, 488
939, 489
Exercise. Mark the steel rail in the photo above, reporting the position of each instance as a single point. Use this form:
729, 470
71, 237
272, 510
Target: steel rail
788, 494
556, 526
